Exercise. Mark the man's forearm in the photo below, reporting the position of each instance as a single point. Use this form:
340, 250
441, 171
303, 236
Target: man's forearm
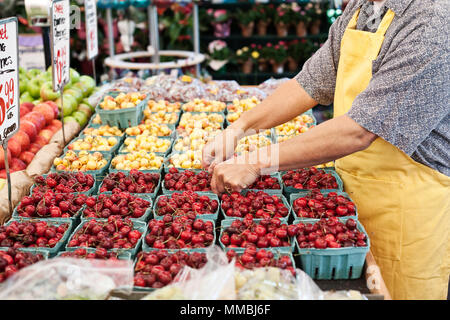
328, 141
288, 101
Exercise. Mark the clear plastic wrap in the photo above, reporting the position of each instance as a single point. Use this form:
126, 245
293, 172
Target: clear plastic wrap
271, 84
69, 279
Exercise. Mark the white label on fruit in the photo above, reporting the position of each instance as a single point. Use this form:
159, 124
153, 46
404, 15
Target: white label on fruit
90, 7
9, 78
60, 30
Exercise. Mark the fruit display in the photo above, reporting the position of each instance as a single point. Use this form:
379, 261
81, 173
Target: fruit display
99, 253
134, 182
330, 233
179, 233
186, 160
316, 205
121, 204
253, 142
161, 117
187, 180
188, 204
152, 129
64, 182
259, 205
96, 119
139, 160
291, 128
309, 178
202, 105
146, 143
158, 269
161, 105
265, 182
253, 258
122, 101
51, 205
13, 260
207, 121
196, 140
93, 143
80, 161
238, 107
111, 233
268, 233
32, 233
105, 131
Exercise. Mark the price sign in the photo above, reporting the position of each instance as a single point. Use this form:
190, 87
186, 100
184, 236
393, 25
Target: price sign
60, 35
90, 7
9, 79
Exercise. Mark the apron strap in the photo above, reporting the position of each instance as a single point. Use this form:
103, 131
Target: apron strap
354, 20
386, 22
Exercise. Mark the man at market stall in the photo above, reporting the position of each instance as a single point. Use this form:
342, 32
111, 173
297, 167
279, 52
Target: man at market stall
386, 67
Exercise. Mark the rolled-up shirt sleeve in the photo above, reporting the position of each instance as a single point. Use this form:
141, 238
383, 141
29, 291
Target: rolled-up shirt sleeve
409, 95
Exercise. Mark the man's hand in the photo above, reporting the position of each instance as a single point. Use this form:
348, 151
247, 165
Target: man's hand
220, 148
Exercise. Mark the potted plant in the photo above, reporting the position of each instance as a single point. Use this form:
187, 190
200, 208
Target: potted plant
244, 57
300, 19
221, 21
314, 11
295, 54
278, 56
264, 15
283, 19
309, 48
219, 55
264, 53
246, 21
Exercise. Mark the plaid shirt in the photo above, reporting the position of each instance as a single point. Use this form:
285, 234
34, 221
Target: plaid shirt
407, 101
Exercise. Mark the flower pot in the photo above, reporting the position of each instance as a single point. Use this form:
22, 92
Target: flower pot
262, 27
222, 29
247, 30
282, 29
277, 67
292, 64
315, 27
247, 66
262, 65
300, 29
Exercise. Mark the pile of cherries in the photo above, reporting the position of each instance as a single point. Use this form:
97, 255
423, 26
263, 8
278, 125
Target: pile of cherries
330, 233
121, 204
66, 182
268, 233
265, 182
254, 258
50, 205
99, 253
188, 204
134, 182
115, 233
259, 205
29, 234
187, 180
158, 269
309, 178
13, 260
180, 232
316, 205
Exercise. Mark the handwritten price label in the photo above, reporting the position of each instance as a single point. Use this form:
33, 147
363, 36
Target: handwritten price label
60, 29
9, 79
90, 7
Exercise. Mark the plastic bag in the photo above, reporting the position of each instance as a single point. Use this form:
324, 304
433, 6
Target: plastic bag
271, 84
69, 279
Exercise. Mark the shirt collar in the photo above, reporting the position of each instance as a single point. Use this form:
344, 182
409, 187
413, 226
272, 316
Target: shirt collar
398, 6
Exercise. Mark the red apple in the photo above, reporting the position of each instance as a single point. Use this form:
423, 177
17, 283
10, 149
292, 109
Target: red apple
27, 157
29, 128
2, 157
54, 107
53, 129
46, 110
3, 174
56, 123
17, 164
15, 147
23, 139
46, 134
40, 141
37, 119
24, 110
34, 147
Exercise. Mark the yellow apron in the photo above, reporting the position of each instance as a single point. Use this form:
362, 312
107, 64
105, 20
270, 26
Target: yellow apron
404, 205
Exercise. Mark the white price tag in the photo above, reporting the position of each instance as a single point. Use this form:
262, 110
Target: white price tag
90, 7
60, 36
9, 78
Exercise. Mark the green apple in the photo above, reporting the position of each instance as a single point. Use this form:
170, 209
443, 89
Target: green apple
86, 102
23, 82
76, 93
36, 102
74, 76
34, 87
69, 119
83, 87
22, 71
69, 106
47, 92
85, 109
80, 117
89, 82
26, 97
33, 73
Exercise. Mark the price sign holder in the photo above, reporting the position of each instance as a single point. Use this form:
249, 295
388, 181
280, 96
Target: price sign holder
60, 39
9, 85
90, 10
